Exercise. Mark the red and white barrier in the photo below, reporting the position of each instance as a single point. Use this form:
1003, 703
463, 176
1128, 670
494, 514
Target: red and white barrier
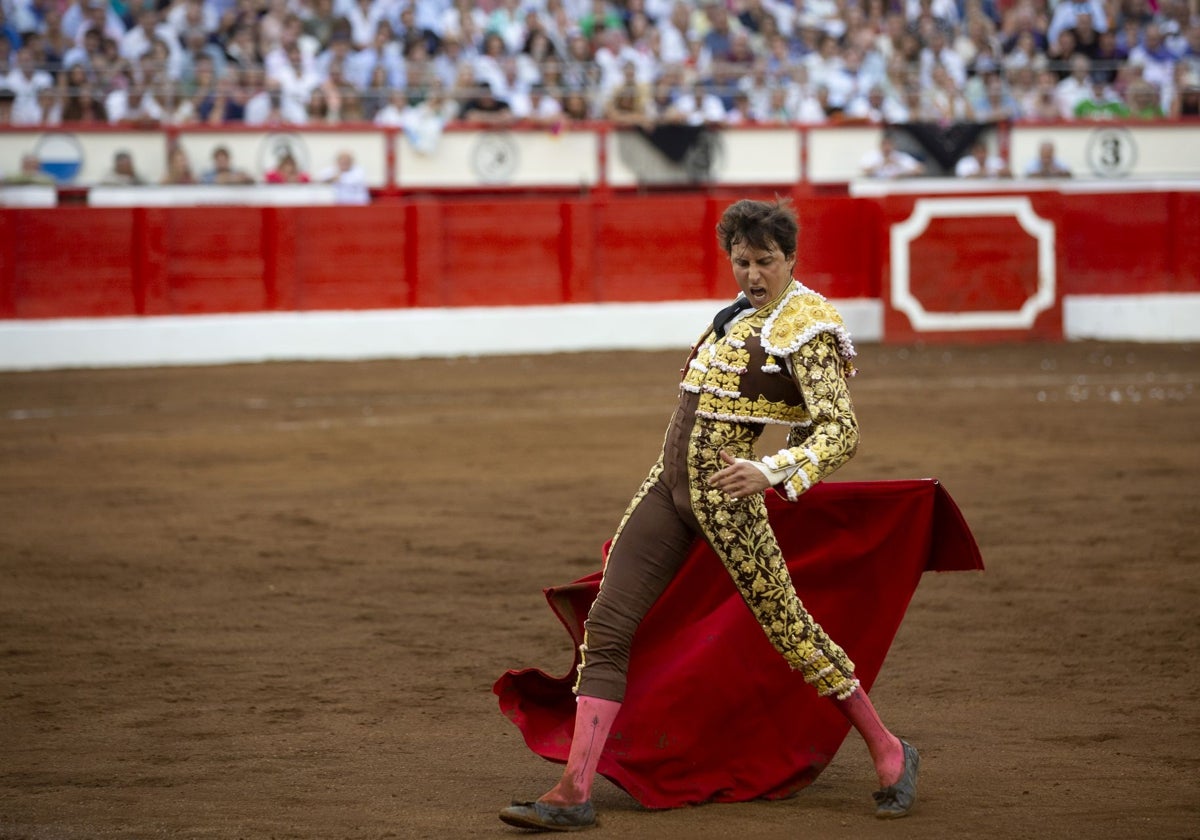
460, 276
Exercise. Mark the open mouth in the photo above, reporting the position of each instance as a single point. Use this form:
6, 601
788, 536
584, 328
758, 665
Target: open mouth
757, 295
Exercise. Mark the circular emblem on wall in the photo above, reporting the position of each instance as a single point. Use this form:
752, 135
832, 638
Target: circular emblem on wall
495, 157
60, 156
275, 146
1111, 152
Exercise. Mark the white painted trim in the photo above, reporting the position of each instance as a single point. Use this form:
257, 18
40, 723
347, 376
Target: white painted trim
958, 186
927, 209
373, 334
1155, 317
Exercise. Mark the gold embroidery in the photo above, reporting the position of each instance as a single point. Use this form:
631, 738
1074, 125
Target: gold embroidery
742, 538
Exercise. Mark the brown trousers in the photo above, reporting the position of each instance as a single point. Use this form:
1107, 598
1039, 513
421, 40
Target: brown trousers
674, 505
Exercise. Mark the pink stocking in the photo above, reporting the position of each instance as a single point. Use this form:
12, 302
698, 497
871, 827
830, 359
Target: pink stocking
886, 752
593, 720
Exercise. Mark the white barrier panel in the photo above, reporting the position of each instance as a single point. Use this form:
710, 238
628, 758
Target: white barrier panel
863, 188
258, 152
256, 195
835, 154
734, 156
85, 157
376, 334
1100, 150
33, 195
1156, 317
466, 159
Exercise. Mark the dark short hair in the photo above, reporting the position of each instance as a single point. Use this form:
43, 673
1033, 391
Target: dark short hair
759, 224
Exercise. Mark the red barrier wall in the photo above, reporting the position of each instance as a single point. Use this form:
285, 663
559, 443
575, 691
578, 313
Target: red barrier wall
521, 250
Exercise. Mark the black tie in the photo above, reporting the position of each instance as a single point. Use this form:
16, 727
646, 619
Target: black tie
727, 314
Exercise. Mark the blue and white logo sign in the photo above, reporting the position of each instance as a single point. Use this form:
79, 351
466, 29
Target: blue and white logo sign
60, 156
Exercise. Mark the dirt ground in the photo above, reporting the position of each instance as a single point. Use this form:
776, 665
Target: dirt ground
270, 601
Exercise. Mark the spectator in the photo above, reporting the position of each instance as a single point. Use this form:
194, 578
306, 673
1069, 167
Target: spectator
1157, 62
698, 106
1143, 101
1186, 101
348, 179
576, 107
1067, 13
979, 163
889, 162
1046, 164
877, 107
627, 105
1100, 102
29, 173
179, 168
1075, 87
133, 104
539, 107
7, 97
79, 98
485, 109
286, 171
996, 104
223, 171
27, 82
122, 173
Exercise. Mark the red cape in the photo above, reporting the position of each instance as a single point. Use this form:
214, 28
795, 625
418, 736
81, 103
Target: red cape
712, 712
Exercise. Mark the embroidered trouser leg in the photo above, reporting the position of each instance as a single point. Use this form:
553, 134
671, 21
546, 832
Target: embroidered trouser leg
740, 534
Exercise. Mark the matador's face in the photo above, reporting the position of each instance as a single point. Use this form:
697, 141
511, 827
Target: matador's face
761, 273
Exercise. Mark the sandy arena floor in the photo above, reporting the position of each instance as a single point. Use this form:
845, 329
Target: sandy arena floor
270, 601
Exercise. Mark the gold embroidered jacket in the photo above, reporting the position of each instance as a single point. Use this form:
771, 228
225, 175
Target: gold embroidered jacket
786, 364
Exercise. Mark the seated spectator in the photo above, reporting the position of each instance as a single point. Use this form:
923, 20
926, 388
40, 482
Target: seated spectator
877, 107
1046, 164
134, 104
699, 107
29, 173
286, 171
627, 106
996, 103
889, 162
349, 180
27, 80
1186, 100
1075, 87
1157, 62
7, 97
1143, 101
179, 168
391, 115
1100, 102
978, 163
539, 107
223, 171
425, 121
122, 173
485, 108
576, 107
79, 98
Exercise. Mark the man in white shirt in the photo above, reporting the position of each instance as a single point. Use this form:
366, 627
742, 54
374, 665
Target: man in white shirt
27, 82
888, 162
349, 180
979, 164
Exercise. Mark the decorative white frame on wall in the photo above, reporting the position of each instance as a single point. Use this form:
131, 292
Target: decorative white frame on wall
926, 210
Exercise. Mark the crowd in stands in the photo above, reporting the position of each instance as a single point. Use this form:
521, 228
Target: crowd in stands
420, 64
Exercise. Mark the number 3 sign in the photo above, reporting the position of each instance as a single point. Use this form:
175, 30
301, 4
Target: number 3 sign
1111, 152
